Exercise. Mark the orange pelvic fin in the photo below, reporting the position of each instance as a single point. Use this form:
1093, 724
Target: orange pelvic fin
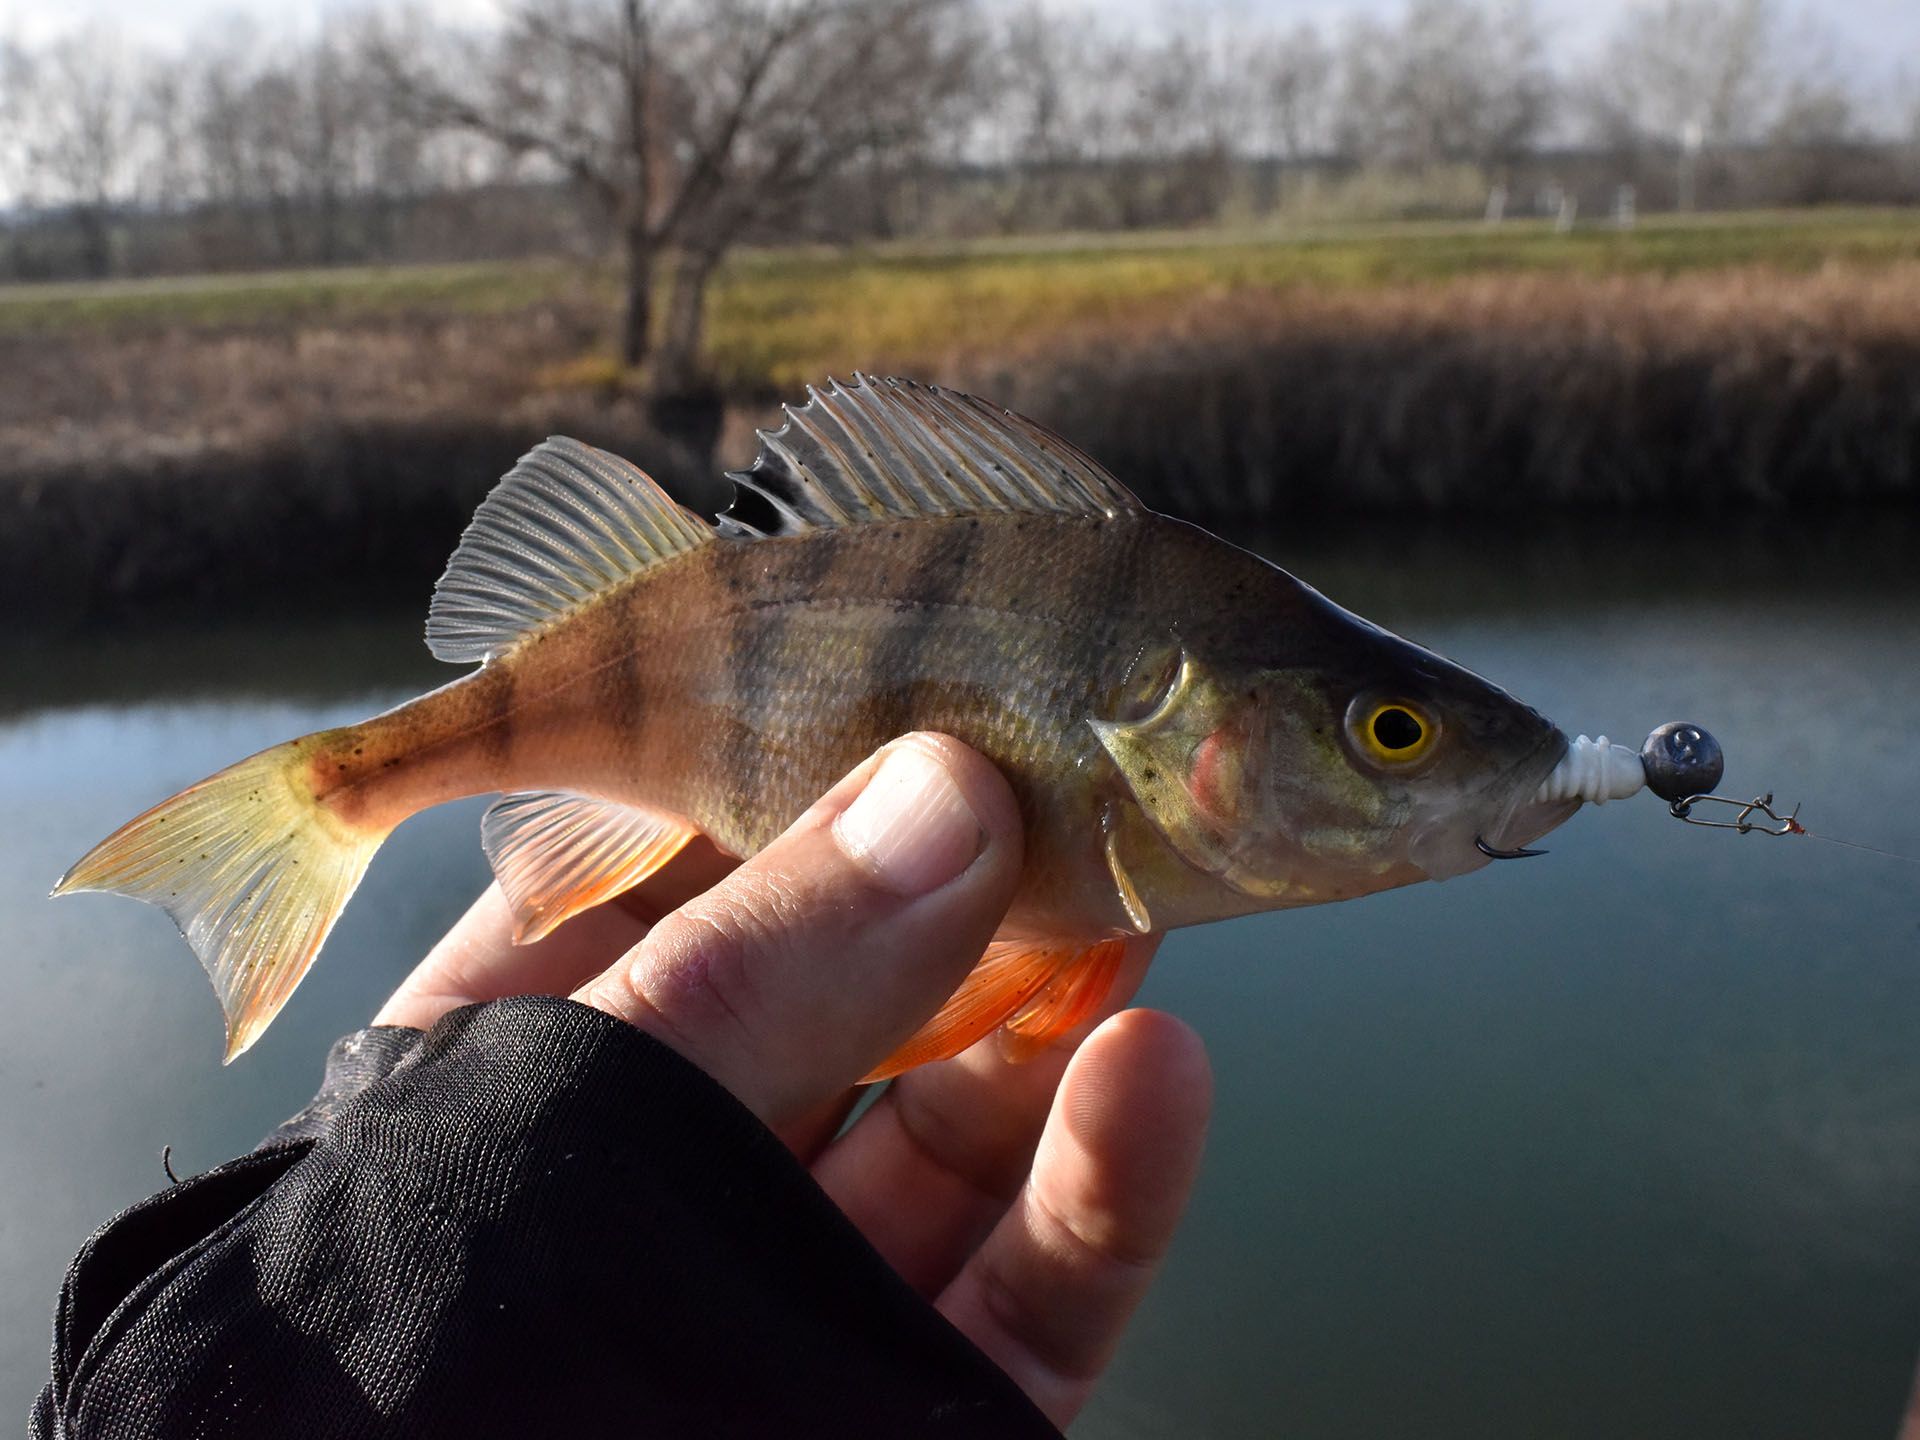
1038, 988
1068, 999
556, 854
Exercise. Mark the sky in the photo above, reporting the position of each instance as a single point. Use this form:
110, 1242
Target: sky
1875, 42
1871, 32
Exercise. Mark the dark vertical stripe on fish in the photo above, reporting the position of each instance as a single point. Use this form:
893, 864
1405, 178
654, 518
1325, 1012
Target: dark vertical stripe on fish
616, 652
1124, 560
921, 600
756, 642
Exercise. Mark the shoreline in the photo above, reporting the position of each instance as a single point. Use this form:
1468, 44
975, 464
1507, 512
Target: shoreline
180, 470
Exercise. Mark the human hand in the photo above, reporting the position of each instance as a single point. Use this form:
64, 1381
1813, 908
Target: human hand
1030, 1203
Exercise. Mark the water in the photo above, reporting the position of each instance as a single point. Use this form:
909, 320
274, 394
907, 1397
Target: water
1623, 1141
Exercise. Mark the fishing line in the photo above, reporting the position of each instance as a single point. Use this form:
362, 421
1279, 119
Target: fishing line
1856, 845
1789, 824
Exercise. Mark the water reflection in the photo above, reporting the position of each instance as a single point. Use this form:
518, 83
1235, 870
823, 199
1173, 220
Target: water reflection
1626, 1141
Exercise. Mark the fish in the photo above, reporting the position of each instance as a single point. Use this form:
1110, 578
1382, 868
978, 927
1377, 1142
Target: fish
1192, 733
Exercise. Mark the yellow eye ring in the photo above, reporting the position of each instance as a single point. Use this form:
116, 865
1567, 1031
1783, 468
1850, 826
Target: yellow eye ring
1393, 733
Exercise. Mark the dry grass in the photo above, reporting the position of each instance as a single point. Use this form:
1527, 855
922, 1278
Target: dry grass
325, 465
1692, 392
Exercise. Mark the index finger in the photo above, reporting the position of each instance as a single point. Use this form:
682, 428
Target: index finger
477, 960
936, 1160
1048, 1295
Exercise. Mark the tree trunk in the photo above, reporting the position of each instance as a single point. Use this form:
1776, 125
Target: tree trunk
677, 368
636, 320
96, 239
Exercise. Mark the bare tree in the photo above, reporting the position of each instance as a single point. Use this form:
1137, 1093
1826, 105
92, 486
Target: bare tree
167, 179
690, 122
1454, 80
1112, 126
1674, 69
74, 112
1814, 129
1293, 75
1029, 129
16, 85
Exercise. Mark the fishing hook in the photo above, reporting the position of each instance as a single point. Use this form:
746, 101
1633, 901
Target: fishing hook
1789, 823
1480, 844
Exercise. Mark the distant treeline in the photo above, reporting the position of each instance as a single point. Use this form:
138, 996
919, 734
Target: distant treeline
387, 140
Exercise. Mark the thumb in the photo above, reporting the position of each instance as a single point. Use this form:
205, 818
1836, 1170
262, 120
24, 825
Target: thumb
814, 960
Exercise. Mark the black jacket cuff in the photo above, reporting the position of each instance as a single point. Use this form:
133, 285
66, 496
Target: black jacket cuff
531, 1219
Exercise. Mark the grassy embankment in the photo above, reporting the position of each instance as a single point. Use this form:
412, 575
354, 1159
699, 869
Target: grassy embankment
209, 438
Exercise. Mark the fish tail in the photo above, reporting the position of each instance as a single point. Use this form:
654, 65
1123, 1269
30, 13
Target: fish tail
252, 868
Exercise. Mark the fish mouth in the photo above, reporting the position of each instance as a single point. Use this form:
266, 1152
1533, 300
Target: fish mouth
1526, 817
1509, 816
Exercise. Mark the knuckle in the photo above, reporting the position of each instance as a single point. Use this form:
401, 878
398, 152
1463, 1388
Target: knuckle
698, 977
1096, 1237
707, 969
1023, 1311
952, 1148
618, 992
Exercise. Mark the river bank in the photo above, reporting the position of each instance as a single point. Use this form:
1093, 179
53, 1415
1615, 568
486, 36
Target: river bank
328, 452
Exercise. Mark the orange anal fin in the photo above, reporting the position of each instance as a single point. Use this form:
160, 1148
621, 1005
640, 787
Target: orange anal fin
1039, 988
556, 854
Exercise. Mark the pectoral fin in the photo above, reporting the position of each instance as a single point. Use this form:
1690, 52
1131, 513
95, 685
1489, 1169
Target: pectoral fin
1123, 885
1039, 988
556, 854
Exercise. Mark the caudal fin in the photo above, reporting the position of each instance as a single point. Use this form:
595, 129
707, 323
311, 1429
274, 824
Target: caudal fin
252, 869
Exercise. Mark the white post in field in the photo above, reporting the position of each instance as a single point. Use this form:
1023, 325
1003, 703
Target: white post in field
1692, 135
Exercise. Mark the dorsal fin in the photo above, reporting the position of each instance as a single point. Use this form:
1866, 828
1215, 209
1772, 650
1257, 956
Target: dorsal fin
890, 449
567, 523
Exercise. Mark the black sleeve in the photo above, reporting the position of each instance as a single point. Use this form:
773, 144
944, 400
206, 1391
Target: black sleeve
532, 1220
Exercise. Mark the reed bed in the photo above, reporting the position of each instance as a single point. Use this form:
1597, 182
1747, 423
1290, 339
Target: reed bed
324, 466
1689, 393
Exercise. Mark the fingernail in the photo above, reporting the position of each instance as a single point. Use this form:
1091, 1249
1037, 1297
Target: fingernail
911, 826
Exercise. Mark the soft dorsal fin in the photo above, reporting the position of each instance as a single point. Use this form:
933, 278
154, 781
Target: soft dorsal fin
567, 523
891, 449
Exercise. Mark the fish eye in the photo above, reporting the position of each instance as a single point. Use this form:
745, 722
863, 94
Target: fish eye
1394, 733
1397, 728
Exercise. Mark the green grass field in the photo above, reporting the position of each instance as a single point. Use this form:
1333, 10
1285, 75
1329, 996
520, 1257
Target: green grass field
778, 318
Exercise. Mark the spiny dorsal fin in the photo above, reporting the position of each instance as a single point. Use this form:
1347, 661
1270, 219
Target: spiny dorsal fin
567, 523
889, 449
